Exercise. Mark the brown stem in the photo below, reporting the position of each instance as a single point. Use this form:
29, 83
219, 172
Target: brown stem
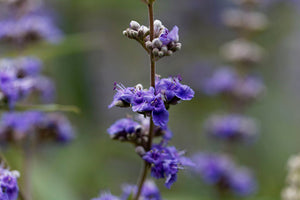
152, 84
142, 180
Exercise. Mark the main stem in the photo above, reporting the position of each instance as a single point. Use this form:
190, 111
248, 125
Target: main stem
152, 84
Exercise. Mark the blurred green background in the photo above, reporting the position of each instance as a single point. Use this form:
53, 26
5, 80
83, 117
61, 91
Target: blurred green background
94, 54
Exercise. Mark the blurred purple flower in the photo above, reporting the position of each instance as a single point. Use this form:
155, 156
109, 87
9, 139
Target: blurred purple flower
225, 81
149, 191
31, 27
15, 126
221, 171
242, 182
21, 77
221, 81
232, 127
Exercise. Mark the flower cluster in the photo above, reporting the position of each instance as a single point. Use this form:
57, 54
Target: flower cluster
221, 171
227, 82
164, 43
17, 127
155, 102
149, 192
292, 190
250, 21
232, 127
29, 28
9, 185
165, 162
152, 103
21, 77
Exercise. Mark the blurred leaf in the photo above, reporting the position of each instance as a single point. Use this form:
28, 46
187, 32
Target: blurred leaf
71, 44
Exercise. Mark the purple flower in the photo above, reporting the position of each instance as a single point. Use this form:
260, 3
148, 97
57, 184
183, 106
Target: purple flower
221, 171
232, 127
123, 127
153, 101
172, 90
19, 126
167, 37
123, 97
9, 185
145, 101
166, 162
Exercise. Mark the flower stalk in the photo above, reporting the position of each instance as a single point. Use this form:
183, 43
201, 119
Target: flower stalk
152, 84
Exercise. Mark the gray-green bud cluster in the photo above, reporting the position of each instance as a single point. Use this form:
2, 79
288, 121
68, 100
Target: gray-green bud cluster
164, 43
250, 21
292, 190
242, 51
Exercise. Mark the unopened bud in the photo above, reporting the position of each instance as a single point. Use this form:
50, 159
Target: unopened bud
164, 49
178, 46
140, 150
125, 33
161, 54
169, 53
155, 51
149, 44
134, 25
157, 43
144, 29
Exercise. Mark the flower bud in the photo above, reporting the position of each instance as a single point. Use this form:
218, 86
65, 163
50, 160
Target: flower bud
157, 43
140, 150
178, 46
155, 51
161, 54
144, 29
125, 33
134, 25
148, 45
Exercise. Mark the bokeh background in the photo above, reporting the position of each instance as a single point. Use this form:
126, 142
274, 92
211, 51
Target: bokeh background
94, 54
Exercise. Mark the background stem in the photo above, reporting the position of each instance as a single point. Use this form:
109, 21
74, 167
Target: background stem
27, 169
